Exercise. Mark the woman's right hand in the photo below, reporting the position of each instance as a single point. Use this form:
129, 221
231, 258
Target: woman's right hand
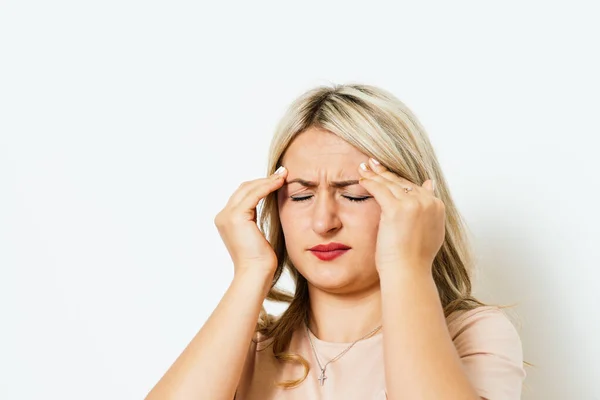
236, 223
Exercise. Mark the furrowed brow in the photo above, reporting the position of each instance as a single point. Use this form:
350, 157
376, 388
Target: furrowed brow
336, 184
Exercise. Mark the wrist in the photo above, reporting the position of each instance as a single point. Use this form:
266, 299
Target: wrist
255, 277
406, 272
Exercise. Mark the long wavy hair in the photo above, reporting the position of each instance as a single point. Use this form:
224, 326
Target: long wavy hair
380, 126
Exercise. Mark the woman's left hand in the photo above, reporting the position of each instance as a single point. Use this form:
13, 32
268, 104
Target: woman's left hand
412, 225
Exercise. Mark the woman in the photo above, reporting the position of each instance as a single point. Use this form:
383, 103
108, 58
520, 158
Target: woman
359, 213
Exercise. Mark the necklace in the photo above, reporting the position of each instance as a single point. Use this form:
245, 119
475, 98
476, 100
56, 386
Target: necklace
322, 377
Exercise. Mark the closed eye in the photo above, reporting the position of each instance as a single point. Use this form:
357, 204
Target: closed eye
356, 199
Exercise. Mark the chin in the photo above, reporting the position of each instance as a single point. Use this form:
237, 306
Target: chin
328, 278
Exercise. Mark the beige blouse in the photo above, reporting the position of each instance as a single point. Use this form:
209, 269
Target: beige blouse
486, 341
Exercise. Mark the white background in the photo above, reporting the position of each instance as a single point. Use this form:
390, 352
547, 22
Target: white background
126, 125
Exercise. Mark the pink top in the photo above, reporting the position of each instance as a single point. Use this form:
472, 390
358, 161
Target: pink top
486, 341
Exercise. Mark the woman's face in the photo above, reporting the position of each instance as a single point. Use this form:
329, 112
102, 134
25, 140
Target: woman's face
325, 214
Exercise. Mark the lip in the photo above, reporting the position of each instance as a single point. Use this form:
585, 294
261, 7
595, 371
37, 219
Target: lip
329, 251
329, 255
330, 247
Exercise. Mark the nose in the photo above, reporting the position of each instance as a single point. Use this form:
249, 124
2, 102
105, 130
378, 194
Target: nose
325, 218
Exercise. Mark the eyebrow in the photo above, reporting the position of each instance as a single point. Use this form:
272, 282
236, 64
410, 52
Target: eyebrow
336, 184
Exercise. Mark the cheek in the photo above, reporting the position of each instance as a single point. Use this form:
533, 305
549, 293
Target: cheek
293, 215
368, 226
287, 216
292, 225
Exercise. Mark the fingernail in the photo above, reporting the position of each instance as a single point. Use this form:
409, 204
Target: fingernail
280, 170
363, 166
375, 161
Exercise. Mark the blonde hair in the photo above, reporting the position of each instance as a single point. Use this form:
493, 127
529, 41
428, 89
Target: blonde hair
380, 126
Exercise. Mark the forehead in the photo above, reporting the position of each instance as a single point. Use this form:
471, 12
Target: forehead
317, 149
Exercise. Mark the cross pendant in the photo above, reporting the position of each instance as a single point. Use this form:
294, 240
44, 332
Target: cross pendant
322, 377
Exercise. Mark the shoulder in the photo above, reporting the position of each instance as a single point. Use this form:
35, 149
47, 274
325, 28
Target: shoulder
259, 347
490, 349
260, 342
484, 327
259, 367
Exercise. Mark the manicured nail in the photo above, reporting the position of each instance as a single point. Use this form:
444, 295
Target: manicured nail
363, 166
280, 170
375, 161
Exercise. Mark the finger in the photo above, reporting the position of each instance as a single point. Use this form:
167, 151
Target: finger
381, 170
431, 183
367, 172
250, 193
396, 188
378, 186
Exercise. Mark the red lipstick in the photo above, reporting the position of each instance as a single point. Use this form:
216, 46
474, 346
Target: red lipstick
329, 251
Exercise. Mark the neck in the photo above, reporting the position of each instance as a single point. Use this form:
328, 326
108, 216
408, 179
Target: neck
344, 318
